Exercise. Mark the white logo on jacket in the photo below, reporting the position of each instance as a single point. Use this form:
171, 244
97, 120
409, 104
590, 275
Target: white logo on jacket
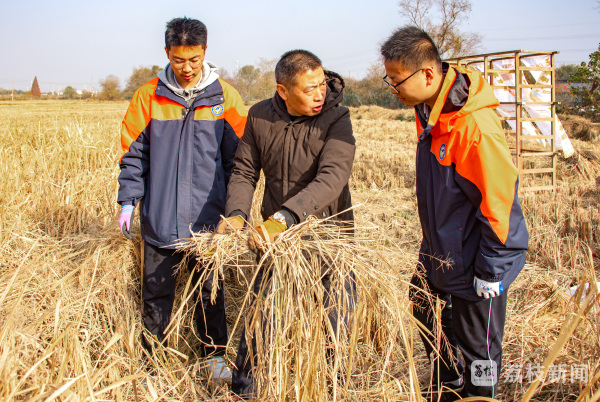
442, 152
217, 110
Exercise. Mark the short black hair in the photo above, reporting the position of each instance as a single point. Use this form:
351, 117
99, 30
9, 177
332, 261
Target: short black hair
413, 46
185, 32
293, 63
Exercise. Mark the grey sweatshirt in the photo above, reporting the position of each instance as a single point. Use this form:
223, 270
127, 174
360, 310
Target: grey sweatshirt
209, 75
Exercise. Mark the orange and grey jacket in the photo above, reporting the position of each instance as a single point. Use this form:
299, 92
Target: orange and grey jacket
179, 158
467, 189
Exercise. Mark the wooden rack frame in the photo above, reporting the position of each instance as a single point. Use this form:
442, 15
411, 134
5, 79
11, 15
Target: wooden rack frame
525, 159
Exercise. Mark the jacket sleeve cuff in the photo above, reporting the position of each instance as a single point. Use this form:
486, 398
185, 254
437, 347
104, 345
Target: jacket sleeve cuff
490, 269
290, 217
237, 212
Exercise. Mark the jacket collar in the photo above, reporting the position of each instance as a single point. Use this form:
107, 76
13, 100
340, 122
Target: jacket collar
449, 78
453, 96
210, 95
209, 76
463, 92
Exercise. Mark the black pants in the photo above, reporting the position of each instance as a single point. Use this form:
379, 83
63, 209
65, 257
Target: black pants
474, 327
242, 383
158, 291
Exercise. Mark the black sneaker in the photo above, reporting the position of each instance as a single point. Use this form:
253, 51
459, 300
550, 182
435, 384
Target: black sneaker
242, 386
450, 391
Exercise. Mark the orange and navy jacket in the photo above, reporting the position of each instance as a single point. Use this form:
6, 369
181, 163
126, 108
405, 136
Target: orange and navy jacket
179, 158
467, 189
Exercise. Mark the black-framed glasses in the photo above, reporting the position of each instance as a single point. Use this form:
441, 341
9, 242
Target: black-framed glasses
395, 87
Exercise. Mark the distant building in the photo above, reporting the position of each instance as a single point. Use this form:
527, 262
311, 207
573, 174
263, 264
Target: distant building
35, 89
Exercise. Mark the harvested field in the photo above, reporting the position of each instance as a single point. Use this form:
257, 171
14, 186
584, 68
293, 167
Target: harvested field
70, 283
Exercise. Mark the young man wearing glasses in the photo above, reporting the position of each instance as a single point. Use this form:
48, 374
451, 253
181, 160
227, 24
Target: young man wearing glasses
179, 137
474, 234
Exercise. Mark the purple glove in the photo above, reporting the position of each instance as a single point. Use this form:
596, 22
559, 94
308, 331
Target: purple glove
125, 221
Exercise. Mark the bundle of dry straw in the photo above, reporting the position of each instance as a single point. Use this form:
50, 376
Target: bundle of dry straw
310, 333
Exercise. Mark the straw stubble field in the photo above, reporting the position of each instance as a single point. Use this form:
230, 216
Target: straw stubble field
70, 283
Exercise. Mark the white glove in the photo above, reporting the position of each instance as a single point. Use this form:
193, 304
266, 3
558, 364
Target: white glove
487, 289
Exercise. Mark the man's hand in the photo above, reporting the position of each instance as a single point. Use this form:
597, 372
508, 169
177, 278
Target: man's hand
126, 220
266, 232
487, 289
231, 223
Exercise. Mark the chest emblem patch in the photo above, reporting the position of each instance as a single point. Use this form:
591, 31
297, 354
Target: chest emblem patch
217, 110
442, 152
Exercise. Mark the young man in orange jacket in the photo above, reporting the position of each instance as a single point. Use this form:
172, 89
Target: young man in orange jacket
179, 137
474, 234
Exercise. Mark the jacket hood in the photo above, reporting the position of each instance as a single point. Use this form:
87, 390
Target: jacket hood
334, 96
209, 75
463, 92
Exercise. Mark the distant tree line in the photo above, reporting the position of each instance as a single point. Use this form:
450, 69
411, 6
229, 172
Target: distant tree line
9, 91
578, 87
254, 82
370, 90
258, 82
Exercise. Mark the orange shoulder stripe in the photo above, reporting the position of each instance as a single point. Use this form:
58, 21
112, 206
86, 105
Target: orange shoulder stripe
138, 114
484, 159
235, 112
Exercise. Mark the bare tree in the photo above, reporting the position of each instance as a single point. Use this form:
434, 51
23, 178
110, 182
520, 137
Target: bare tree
139, 77
110, 88
266, 81
450, 40
255, 82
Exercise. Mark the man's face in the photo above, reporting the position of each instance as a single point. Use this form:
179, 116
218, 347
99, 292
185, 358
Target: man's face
307, 95
414, 90
186, 62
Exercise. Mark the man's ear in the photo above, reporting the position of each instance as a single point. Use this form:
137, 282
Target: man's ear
167, 52
429, 75
282, 91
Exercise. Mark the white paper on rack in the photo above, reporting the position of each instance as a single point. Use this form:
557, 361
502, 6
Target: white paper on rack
507, 94
477, 66
561, 137
506, 78
528, 128
562, 140
544, 95
541, 77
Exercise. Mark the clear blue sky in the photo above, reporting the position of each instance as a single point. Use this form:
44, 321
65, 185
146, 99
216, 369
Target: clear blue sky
72, 42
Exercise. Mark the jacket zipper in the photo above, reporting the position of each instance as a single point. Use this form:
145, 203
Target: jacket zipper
285, 162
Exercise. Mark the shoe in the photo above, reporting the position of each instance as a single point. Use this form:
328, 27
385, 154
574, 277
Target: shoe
243, 386
219, 372
450, 391
245, 392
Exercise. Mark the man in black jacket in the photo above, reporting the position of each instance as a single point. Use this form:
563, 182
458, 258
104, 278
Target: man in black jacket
302, 140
